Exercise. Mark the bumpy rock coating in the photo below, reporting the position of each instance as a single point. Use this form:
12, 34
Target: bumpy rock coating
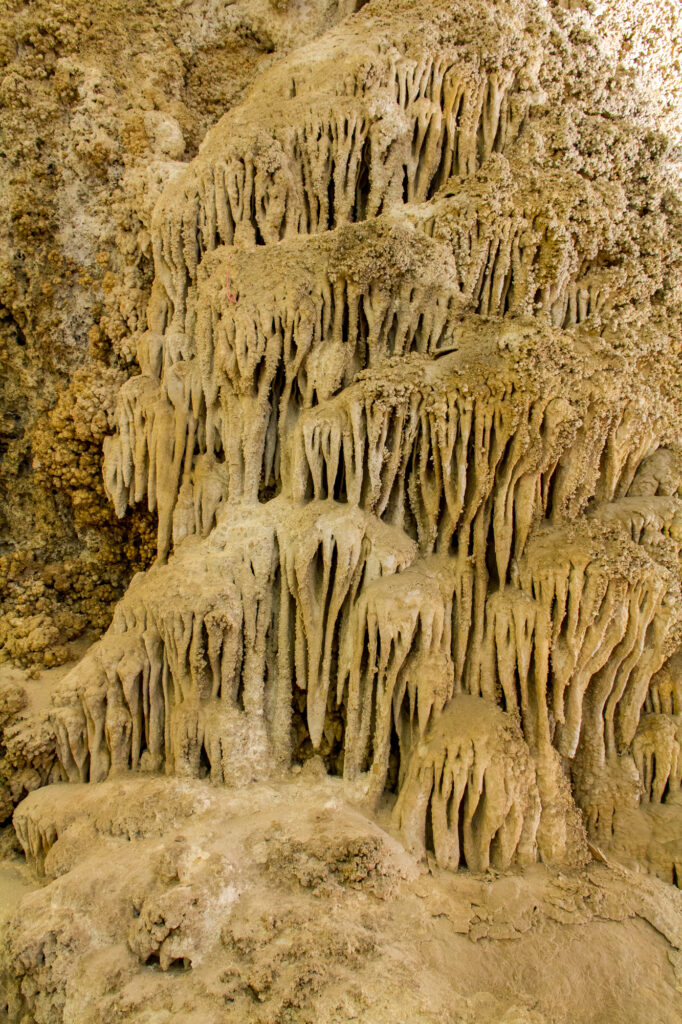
100, 106
408, 416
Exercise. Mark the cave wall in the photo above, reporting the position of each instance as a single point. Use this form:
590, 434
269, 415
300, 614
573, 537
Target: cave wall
102, 105
407, 421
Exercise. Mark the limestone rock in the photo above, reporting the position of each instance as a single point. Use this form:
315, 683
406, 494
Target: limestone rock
407, 425
471, 780
283, 902
391, 423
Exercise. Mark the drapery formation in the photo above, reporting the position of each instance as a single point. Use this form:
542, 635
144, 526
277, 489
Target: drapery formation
414, 500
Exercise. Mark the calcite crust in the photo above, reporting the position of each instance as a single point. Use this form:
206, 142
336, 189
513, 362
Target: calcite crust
408, 423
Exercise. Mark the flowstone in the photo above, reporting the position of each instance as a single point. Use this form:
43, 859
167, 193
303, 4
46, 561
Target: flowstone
408, 418
391, 423
471, 784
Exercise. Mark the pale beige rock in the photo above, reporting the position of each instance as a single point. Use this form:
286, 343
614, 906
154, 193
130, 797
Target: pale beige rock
408, 418
370, 307
471, 781
280, 903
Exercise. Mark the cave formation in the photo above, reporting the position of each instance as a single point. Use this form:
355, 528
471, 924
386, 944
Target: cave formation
398, 446
408, 418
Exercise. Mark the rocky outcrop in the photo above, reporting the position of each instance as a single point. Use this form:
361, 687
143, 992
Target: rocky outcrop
278, 903
408, 425
99, 108
406, 442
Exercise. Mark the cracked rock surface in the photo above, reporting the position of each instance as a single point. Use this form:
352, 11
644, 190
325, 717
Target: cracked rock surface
285, 903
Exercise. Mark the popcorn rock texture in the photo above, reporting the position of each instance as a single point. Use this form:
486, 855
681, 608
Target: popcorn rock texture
101, 105
407, 425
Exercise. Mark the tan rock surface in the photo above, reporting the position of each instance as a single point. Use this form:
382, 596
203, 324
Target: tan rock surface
403, 683
101, 104
284, 903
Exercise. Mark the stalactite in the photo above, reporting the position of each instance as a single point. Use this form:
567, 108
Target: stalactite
332, 154
419, 499
187, 663
656, 749
152, 454
398, 663
665, 689
471, 783
603, 601
521, 247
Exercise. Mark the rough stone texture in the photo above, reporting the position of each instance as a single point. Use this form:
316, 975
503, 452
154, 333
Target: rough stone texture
406, 429
279, 904
100, 106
